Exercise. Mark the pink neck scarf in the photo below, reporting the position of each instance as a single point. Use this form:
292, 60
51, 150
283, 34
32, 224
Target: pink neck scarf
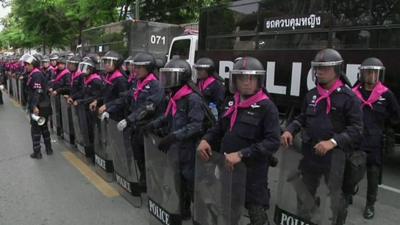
61, 75
376, 94
184, 91
204, 84
76, 75
142, 84
30, 75
259, 96
92, 77
109, 80
326, 94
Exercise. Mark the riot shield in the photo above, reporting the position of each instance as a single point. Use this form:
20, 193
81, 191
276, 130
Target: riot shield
163, 183
56, 116
308, 193
21, 95
102, 156
9, 88
66, 115
125, 169
82, 129
219, 193
14, 87
75, 122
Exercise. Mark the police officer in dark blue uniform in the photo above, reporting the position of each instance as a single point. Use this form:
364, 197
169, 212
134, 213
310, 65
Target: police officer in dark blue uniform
182, 124
144, 101
379, 104
77, 77
47, 70
331, 119
115, 84
61, 84
92, 82
38, 105
210, 84
248, 131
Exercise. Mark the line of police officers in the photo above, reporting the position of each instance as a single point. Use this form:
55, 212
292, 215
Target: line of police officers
247, 130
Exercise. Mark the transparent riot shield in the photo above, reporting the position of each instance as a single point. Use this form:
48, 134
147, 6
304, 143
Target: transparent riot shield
102, 157
219, 193
163, 183
82, 129
9, 88
308, 193
14, 87
56, 116
75, 122
19, 91
21, 96
68, 127
125, 169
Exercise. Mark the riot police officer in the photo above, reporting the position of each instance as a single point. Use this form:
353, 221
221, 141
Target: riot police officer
182, 124
47, 69
129, 69
53, 61
38, 105
248, 131
77, 77
210, 84
92, 82
115, 84
61, 84
331, 119
378, 105
144, 100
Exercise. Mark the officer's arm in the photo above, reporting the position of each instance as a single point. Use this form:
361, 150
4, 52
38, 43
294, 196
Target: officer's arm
151, 103
352, 133
219, 93
271, 142
66, 85
295, 126
196, 116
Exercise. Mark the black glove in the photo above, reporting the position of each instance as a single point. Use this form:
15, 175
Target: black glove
147, 129
166, 142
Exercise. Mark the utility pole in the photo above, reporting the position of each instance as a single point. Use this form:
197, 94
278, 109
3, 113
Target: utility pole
137, 6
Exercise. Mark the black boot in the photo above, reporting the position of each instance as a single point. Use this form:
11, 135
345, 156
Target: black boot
369, 211
36, 155
49, 151
258, 215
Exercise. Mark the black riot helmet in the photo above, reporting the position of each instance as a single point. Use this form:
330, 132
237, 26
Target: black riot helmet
372, 70
206, 64
145, 59
175, 73
53, 56
88, 64
30, 59
73, 63
325, 59
111, 58
62, 59
246, 68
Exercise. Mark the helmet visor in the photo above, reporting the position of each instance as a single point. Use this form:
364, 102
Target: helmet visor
85, 67
170, 77
246, 81
372, 75
108, 62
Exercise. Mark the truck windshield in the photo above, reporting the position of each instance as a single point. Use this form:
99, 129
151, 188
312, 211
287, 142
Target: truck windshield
180, 48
